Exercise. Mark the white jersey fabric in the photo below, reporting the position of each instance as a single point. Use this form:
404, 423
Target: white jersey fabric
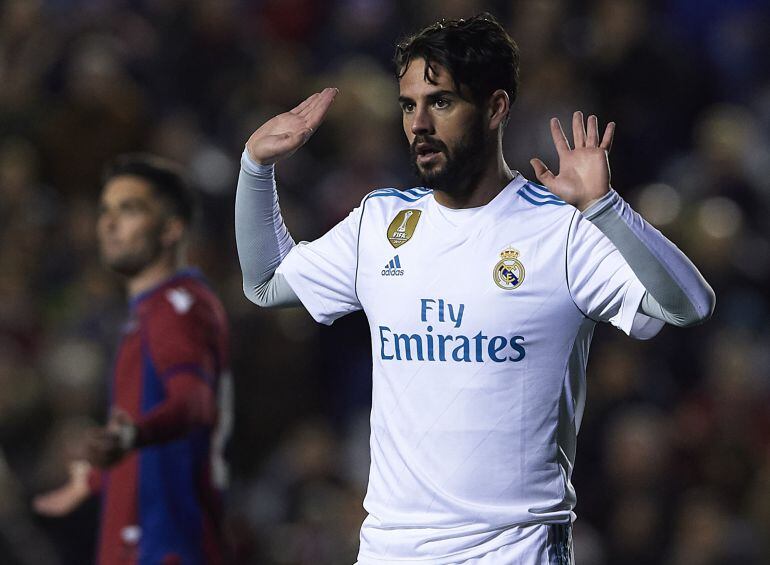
480, 324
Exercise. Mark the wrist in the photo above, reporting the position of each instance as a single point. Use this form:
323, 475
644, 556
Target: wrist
255, 168
597, 206
126, 434
586, 205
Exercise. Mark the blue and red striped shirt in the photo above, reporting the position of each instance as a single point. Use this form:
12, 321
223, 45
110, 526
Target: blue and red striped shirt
161, 504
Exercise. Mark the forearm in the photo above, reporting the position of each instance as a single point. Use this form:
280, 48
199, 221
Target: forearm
190, 404
676, 291
261, 236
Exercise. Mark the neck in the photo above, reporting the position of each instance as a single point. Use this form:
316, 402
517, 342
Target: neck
152, 275
480, 191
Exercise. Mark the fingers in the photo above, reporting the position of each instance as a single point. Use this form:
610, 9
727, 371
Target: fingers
559, 139
54, 504
305, 103
315, 113
282, 135
64, 499
61, 501
592, 137
582, 137
609, 134
578, 129
541, 171
312, 103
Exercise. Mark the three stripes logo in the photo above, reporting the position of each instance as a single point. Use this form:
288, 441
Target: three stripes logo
393, 268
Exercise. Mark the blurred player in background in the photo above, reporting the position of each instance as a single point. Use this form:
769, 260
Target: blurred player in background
158, 462
482, 290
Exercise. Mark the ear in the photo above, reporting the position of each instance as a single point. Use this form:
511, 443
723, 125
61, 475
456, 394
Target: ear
498, 107
173, 232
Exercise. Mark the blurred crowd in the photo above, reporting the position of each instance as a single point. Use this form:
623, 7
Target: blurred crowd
673, 462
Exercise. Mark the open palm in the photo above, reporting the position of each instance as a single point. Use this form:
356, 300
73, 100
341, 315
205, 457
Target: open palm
282, 135
584, 171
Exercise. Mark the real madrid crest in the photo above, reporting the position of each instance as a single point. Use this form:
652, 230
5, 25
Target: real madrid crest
402, 227
509, 271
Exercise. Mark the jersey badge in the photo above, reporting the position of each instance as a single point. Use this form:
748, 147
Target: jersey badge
402, 227
180, 299
509, 271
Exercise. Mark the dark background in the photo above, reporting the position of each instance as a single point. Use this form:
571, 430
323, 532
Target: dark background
673, 462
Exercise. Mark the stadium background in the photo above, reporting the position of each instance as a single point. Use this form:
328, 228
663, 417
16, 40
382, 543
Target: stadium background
674, 454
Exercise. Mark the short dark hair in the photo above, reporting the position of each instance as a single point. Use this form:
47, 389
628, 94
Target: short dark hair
478, 53
166, 178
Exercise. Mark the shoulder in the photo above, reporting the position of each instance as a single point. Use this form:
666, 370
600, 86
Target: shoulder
384, 202
541, 209
185, 300
396, 196
537, 196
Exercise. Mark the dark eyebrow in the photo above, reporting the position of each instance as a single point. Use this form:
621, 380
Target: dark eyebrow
131, 202
134, 201
432, 96
441, 94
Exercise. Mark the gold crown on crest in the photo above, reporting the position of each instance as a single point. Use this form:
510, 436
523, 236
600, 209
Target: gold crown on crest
509, 253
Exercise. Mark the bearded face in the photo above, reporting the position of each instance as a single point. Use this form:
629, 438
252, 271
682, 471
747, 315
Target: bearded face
450, 166
448, 139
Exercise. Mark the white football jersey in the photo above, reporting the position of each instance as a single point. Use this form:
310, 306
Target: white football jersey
480, 323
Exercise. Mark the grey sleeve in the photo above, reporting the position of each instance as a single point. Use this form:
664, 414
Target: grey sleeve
676, 291
261, 236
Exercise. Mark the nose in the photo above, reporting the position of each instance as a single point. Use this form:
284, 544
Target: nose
422, 123
106, 222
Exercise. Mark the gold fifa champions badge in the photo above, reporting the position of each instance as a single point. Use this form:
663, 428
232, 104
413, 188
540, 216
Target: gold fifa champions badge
402, 227
509, 271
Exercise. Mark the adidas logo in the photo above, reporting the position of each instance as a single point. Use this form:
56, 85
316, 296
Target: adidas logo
393, 268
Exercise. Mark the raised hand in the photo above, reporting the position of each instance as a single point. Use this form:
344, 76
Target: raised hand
282, 135
584, 171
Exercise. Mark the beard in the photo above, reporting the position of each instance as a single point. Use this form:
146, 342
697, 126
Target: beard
126, 265
130, 262
464, 163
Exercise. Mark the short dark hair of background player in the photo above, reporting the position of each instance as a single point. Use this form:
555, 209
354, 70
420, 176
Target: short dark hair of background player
167, 180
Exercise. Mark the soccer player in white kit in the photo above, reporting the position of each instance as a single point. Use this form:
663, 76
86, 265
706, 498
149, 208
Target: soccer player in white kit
482, 290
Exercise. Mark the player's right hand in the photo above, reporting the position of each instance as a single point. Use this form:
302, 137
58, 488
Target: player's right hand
282, 135
66, 498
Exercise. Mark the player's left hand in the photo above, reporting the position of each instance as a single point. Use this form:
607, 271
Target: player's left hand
108, 445
584, 171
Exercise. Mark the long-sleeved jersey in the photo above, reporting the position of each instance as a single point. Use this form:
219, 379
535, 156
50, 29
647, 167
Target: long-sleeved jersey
162, 503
